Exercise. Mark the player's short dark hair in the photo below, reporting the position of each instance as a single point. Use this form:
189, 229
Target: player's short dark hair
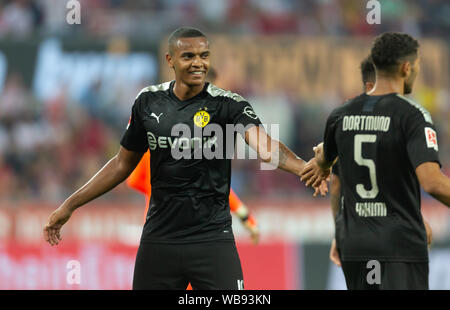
183, 32
367, 70
391, 48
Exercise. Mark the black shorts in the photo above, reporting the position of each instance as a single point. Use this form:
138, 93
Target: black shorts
392, 276
207, 266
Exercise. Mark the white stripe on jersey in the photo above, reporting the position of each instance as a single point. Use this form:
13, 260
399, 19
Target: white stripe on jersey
424, 111
154, 88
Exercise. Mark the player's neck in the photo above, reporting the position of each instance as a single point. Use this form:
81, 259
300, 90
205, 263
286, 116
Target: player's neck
185, 92
387, 85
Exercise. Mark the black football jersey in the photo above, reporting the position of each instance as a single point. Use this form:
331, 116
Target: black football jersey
380, 141
190, 164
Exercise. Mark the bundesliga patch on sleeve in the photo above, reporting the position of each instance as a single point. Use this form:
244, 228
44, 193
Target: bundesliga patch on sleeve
431, 138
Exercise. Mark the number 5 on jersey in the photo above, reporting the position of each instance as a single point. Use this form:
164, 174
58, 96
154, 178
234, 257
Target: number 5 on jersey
369, 163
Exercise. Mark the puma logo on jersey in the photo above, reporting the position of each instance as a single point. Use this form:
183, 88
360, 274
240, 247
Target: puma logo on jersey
249, 112
157, 117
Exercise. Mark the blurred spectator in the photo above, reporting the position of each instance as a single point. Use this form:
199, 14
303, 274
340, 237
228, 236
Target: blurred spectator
14, 98
19, 18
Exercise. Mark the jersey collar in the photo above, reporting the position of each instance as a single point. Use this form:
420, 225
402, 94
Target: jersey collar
187, 101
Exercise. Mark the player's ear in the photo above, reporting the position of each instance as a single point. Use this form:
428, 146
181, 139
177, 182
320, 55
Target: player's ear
169, 60
405, 69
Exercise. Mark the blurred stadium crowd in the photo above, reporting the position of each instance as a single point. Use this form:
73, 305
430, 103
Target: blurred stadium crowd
47, 149
155, 18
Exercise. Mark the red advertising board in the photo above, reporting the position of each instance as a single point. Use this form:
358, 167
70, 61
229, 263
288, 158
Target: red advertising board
100, 242
109, 266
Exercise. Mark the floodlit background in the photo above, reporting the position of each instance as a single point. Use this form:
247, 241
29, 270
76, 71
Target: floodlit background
66, 93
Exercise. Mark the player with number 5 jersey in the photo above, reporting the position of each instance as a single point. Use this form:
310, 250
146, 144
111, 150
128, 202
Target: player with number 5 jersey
387, 147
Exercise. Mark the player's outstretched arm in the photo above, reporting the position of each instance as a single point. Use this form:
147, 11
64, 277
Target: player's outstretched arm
434, 182
112, 174
276, 153
272, 151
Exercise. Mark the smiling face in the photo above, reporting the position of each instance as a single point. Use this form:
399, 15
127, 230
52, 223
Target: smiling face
189, 57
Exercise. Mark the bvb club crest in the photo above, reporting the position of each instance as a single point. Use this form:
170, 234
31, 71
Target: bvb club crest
202, 118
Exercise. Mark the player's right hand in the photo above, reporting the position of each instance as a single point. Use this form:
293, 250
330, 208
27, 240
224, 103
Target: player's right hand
55, 221
334, 255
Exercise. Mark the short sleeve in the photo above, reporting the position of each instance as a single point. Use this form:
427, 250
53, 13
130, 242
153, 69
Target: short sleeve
329, 141
422, 143
135, 136
241, 112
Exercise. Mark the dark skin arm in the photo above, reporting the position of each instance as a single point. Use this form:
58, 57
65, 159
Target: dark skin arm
111, 175
273, 151
279, 155
276, 153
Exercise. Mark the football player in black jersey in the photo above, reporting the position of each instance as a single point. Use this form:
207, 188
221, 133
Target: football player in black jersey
387, 147
368, 80
187, 236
